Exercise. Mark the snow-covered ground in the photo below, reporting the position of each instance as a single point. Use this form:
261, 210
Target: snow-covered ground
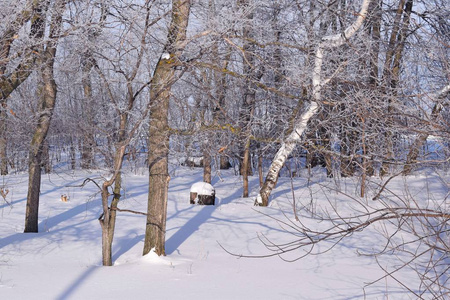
63, 261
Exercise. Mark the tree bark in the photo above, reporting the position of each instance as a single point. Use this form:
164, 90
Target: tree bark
206, 165
246, 165
46, 105
108, 218
87, 64
253, 74
88, 139
47, 92
281, 156
158, 156
46, 160
3, 140
391, 71
219, 113
291, 141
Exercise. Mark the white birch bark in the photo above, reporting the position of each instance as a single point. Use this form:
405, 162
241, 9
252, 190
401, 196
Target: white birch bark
331, 41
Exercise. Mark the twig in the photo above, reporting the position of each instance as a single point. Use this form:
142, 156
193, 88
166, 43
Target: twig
385, 184
130, 211
85, 182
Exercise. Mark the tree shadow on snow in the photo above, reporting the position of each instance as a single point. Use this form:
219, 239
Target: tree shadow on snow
45, 225
124, 244
191, 226
77, 283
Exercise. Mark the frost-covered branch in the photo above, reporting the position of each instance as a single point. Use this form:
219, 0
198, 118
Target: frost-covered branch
300, 127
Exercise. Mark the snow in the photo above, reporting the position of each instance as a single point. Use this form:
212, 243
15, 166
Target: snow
259, 199
63, 260
203, 188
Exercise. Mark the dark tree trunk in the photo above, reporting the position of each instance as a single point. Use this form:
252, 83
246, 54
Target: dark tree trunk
252, 74
3, 140
88, 140
260, 169
206, 167
34, 188
46, 161
47, 96
72, 154
47, 103
391, 73
108, 218
246, 165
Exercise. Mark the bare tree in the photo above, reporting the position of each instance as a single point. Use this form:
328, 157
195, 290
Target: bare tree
125, 112
10, 81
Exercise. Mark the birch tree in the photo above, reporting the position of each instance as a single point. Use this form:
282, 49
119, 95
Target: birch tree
288, 145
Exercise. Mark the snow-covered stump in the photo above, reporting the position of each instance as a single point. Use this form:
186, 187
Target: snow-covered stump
203, 193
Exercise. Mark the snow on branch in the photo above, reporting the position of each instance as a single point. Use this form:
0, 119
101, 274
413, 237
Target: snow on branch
333, 41
300, 127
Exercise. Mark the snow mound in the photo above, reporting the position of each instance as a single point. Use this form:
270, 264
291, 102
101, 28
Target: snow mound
203, 188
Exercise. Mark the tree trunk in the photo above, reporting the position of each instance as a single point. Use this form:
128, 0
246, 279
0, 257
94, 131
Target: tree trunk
46, 161
260, 169
219, 111
158, 156
88, 113
252, 74
374, 28
206, 166
289, 144
280, 157
72, 153
47, 103
88, 139
348, 148
3, 140
246, 165
108, 218
47, 97
391, 72
34, 186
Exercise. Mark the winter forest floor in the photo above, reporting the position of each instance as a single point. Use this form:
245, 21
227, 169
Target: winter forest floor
63, 260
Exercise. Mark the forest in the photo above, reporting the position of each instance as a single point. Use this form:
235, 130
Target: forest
268, 88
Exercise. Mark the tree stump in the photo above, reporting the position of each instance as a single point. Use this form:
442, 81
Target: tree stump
202, 193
